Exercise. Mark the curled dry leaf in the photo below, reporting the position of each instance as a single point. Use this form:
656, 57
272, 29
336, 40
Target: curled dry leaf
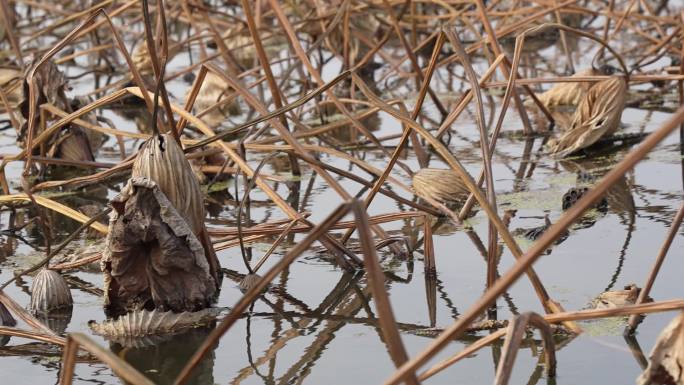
142, 328
153, 259
49, 292
667, 357
597, 115
214, 90
163, 161
442, 185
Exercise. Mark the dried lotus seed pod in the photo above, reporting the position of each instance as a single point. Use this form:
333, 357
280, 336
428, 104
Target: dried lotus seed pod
49, 292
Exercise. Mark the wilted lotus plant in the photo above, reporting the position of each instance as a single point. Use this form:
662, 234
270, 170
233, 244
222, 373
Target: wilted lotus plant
158, 254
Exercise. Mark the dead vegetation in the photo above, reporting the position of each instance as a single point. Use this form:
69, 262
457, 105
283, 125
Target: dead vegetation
238, 107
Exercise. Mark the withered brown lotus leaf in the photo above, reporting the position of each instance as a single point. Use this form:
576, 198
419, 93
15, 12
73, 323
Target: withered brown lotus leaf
153, 259
597, 115
667, 357
49, 292
442, 185
144, 327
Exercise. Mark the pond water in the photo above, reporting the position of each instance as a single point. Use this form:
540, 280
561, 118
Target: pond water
318, 324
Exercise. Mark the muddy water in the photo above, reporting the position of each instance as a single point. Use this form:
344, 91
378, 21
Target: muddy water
319, 324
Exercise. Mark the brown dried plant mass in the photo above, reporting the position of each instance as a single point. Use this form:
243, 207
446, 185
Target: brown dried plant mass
598, 114
153, 260
159, 254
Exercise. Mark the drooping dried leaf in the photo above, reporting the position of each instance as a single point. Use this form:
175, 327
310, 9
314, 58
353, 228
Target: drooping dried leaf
597, 115
667, 357
49, 292
141, 328
214, 89
442, 185
153, 259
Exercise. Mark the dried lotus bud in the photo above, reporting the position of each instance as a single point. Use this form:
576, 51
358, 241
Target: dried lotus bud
49, 292
162, 160
442, 185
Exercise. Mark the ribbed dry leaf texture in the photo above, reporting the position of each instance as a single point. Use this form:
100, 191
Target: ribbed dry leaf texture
141, 327
49, 292
441, 185
162, 160
597, 115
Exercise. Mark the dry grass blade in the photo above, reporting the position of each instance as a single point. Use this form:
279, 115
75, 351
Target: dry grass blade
54, 206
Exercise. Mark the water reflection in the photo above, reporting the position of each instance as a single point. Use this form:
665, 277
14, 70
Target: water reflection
162, 362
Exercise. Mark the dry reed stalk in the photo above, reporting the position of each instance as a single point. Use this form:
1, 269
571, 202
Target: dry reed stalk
653, 274
407, 130
372, 268
514, 336
539, 247
468, 181
120, 367
55, 206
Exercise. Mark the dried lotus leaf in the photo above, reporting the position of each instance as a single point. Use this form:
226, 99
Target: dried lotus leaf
144, 327
153, 259
667, 357
569, 93
441, 185
597, 115
49, 292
